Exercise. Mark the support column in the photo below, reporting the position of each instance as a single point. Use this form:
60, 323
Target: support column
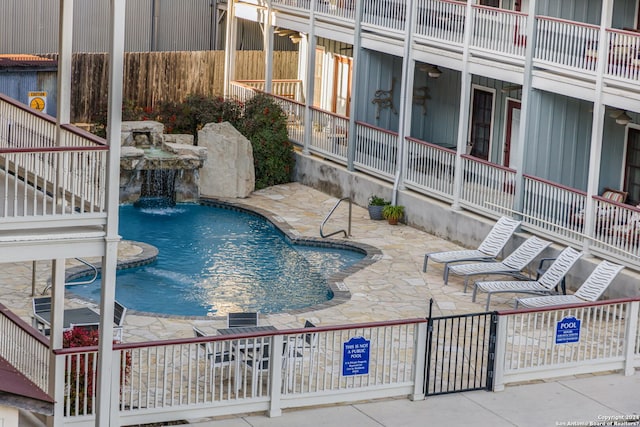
106, 409
525, 109
230, 47
465, 100
356, 87
56, 376
406, 102
309, 84
267, 34
597, 126
65, 53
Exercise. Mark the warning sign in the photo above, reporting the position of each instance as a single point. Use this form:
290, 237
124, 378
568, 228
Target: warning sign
38, 101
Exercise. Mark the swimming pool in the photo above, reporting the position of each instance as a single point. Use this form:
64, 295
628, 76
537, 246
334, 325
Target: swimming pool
213, 260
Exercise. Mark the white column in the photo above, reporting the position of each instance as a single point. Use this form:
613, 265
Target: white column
356, 86
65, 38
309, 83
524, 108
106, 409
597, 125
406, 102
465, 100
267, 34
56, 376
230, 47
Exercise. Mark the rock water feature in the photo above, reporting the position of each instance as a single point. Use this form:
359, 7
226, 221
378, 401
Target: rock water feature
157, 168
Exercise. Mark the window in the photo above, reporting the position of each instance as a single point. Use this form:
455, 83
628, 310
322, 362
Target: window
481, 116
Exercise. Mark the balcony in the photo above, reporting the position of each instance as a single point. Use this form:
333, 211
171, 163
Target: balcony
565, 48
51, 189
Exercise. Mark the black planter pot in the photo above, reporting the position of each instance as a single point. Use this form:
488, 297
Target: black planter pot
375, 212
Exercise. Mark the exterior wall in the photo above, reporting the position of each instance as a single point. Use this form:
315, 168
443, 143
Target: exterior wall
462, 227
8, 416
18, 84
377, 72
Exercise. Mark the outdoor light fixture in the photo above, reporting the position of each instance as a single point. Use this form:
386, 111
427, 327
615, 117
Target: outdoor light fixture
623, 118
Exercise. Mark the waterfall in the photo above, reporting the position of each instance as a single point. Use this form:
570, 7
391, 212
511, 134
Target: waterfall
158, 188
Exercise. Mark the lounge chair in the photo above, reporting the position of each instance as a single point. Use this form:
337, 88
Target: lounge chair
512, 265
592, 288
545, 284
487, 251
241, 320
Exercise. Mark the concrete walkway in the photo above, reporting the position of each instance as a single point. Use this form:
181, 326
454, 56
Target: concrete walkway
588, 401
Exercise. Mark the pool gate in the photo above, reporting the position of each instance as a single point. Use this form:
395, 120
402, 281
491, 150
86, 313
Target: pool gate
460, 352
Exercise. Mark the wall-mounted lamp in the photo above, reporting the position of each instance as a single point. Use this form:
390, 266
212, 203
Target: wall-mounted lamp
432, 70
623, 118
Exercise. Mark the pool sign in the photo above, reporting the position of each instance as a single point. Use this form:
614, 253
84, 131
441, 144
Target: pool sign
38, 101
355, 357
568, 330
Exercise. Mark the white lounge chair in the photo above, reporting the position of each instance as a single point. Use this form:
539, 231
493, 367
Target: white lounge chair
512, 265
545, 284
592, 288
487, 251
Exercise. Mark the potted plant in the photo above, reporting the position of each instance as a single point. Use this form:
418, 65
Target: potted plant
393, 213
375, 207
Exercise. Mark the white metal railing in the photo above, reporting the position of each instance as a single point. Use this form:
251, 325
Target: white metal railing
301, 367
295, 118
430, 168
486, 186
553, 209
241, 92
617, 229
298, 4
343, 9
531, 347
376, 150
441, 20
624, 51
388, 14
566, 43
329, 134
499, 30
291, 89
41, 176
24, 348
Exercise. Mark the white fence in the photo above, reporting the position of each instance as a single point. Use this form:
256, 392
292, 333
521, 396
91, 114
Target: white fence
533, 345
430, 168
499, 30
566, 43
266, 371
376, 150
487, 187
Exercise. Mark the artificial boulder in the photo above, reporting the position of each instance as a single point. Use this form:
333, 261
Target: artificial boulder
228, 170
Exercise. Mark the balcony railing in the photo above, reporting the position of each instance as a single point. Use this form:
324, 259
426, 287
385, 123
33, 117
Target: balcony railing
566, 43
430, 168
42, 177
499, 31
487, 187
376, 150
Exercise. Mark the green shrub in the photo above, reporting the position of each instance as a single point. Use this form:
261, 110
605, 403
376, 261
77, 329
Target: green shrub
265, 125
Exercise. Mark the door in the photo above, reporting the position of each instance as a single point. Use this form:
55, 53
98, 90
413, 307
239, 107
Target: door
481, 117
342, 85
511, 141
632, 167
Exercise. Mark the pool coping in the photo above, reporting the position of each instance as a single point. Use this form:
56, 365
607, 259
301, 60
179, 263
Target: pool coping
335, 282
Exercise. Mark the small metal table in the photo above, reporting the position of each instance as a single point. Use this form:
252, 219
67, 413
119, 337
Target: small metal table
74, 316
241, 347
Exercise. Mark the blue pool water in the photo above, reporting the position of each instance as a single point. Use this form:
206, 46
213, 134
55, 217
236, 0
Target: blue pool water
213, 261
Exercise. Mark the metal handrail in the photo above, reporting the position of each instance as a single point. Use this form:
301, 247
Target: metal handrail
84, 282
346, 234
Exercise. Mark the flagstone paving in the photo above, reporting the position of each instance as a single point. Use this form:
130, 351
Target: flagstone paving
393, 287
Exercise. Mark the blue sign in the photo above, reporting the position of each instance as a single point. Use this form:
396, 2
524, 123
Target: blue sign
355, 357
568, 330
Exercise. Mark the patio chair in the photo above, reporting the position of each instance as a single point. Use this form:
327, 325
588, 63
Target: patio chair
40, 306
545, 284
592, 288
603, 215
240, 320
487, 251
298, 347
512, 265
218, 358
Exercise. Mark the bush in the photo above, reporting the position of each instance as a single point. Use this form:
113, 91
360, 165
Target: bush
265, 125
80, 376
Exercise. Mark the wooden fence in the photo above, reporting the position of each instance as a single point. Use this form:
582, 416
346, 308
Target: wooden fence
152, 77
